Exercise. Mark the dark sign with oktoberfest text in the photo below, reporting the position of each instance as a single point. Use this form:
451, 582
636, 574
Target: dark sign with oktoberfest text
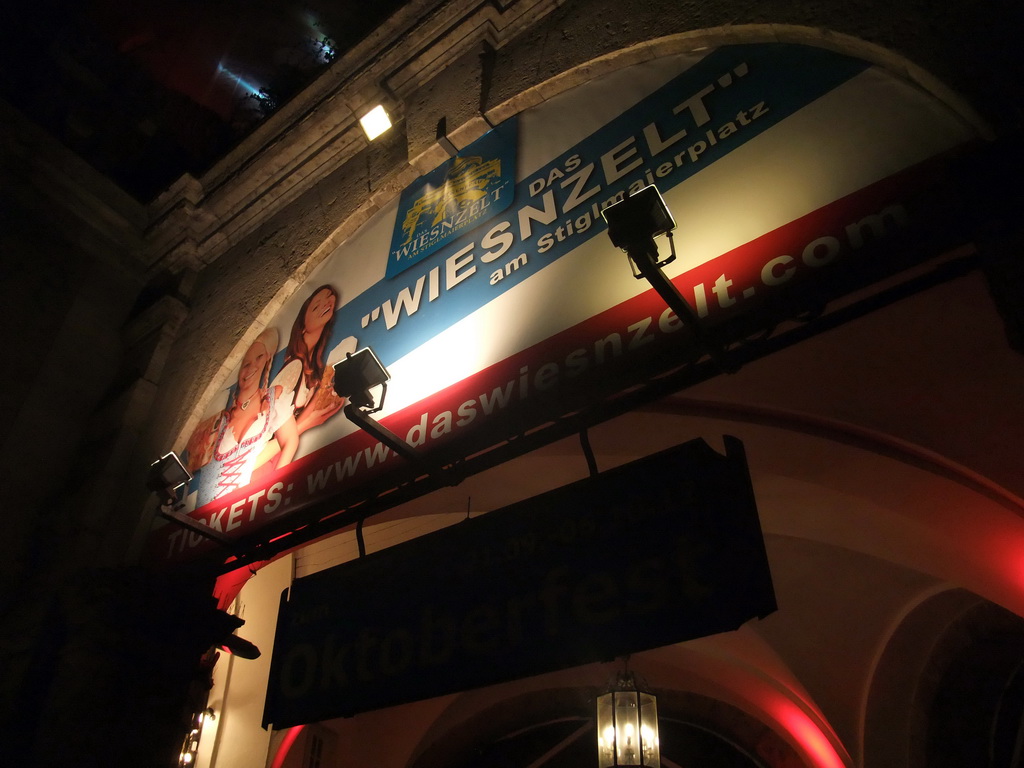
664, 549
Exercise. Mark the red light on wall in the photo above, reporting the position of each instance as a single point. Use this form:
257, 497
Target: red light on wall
286, 745
807, 734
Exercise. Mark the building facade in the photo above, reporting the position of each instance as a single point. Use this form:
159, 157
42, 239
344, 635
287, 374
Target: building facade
880, 431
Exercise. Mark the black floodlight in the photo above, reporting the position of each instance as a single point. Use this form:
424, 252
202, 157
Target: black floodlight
167, 476
356, 375
635, 221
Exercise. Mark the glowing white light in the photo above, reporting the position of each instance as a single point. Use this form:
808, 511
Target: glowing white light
627, 728
238, 80
375, 122
326, 52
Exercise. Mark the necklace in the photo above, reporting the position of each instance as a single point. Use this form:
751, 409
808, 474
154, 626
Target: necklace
218, 455
246, 403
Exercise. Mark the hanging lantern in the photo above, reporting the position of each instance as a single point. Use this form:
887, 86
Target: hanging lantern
627, 726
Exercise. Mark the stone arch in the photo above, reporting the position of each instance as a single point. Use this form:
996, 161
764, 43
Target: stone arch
948, 671
699, 39
514, 718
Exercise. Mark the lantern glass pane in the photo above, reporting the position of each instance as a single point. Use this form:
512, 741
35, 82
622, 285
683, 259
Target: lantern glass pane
605, 731
627, 728
649, 730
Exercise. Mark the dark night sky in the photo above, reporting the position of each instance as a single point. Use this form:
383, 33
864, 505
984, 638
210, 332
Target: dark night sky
148, 89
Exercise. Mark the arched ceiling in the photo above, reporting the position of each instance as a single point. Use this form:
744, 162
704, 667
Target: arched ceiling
871, 502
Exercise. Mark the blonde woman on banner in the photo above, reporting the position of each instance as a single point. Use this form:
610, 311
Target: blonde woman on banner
257, 426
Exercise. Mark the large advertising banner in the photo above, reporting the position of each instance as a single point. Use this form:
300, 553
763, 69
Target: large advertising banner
490, 289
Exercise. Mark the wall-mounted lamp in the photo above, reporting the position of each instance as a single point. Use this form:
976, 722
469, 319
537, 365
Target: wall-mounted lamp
190, 747
166, 477
627, 726
359, 373
633, 224
375, 122
635, 221
354, 378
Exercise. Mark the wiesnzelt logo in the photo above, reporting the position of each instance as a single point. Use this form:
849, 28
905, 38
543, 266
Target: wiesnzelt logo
455, 197
465, 186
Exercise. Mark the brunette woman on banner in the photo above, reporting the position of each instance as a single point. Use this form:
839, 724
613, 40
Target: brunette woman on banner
307, 376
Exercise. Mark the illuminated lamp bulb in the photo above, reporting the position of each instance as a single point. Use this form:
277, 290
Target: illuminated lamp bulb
375, 122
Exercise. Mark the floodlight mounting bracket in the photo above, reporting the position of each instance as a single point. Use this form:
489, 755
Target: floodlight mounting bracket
633, 224
361, 418
172, 514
